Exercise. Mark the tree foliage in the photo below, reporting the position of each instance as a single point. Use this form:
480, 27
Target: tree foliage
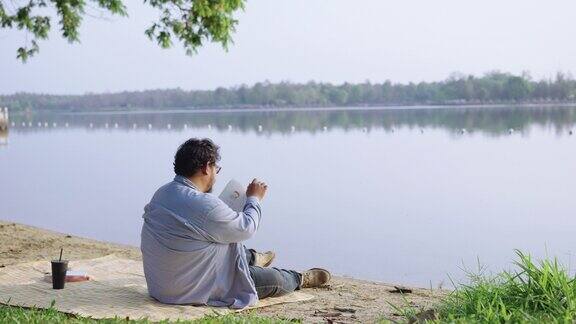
492, 88
190, 22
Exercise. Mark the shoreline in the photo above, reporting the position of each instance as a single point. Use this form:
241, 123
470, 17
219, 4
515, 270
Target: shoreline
251, 109
369, 300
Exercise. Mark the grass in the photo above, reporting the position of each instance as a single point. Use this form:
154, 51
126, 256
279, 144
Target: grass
10, 314
535, 292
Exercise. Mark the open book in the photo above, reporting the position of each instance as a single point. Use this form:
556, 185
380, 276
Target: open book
234, 195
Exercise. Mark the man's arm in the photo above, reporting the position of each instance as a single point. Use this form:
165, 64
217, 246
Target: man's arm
224, 225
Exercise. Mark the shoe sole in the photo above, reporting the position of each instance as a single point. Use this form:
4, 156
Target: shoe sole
328, 278
269, 262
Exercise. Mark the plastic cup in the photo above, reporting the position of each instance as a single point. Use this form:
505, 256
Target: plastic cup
59, 268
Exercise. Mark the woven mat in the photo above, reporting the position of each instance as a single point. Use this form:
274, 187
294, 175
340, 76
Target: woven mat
117, 288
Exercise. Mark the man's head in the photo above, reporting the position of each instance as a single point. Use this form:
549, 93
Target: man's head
196, 160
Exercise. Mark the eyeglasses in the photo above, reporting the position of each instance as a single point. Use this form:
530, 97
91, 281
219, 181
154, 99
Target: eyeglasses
218, 168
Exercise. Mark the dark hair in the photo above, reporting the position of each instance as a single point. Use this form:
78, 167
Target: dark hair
193, 155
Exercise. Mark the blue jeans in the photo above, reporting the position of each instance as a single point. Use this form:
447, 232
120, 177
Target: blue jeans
272, 282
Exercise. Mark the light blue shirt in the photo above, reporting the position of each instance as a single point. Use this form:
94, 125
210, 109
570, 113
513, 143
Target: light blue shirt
191, 247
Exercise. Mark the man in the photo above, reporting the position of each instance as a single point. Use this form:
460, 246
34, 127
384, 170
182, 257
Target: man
191, 240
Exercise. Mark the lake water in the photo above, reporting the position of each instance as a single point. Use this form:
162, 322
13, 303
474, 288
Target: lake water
396, 195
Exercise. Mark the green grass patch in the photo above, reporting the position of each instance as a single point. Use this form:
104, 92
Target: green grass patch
534, 292
10, 314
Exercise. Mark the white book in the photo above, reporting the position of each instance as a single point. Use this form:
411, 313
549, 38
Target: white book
234, 195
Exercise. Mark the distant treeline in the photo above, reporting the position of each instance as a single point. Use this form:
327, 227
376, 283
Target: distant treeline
458, 89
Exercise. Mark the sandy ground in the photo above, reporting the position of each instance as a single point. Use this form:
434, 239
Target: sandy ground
345, 300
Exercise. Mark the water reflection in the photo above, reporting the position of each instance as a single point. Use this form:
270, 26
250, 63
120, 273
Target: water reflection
490, 121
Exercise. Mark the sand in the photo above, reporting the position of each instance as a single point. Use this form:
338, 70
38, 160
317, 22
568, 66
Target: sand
345, 300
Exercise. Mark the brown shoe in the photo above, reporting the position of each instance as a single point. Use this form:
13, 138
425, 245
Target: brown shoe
314, 277
264, 259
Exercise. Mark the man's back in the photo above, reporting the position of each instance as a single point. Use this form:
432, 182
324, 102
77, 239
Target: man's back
191, 247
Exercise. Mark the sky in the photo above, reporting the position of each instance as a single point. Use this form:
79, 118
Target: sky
301, 40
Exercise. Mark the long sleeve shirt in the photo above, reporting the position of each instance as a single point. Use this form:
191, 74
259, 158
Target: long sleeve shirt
191, 247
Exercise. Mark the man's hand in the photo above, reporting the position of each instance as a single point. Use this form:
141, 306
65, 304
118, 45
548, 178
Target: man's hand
256, 189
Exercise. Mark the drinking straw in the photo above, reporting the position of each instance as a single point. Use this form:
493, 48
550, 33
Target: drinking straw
61, 249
